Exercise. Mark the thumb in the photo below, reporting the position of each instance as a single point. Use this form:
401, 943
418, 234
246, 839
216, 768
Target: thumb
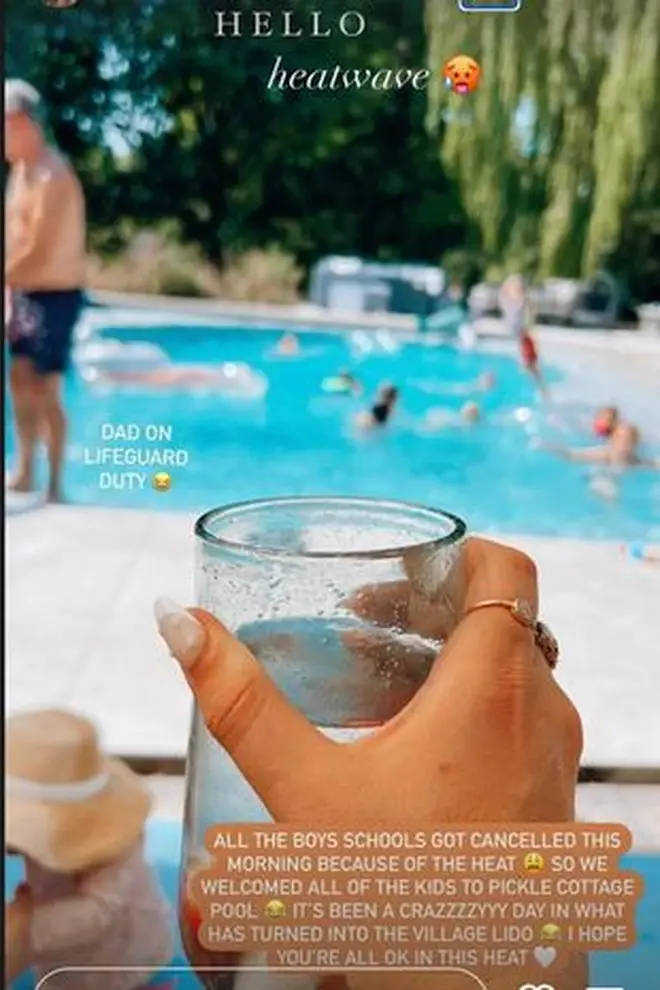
277, 749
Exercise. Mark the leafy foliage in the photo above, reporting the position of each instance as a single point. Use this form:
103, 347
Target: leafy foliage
556, 171
559, 167
234, 164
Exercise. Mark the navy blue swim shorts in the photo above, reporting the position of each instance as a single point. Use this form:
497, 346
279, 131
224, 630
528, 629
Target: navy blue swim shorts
41, 328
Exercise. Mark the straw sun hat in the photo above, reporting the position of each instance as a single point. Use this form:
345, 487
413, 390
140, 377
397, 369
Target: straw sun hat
68, 807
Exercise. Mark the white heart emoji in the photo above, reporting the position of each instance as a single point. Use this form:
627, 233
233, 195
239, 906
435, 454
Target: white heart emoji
545, 955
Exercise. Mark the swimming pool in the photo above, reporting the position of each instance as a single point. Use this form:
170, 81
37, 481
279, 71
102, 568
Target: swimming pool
298, 440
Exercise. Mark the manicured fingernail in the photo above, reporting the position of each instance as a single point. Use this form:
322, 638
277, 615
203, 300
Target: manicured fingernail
181, 631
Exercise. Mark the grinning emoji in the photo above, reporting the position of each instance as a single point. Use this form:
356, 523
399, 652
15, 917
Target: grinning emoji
534, 862
462, 74
550, 933
275, 909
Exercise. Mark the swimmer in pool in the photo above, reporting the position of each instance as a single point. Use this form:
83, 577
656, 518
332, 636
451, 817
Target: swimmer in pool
381, 411
344, 383
470, 413
163, 377
170, 376
620, 451
484, 383
288, 346
606, 420
442, 419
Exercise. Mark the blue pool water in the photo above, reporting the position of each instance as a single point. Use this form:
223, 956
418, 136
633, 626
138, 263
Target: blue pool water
301, 441
635, 969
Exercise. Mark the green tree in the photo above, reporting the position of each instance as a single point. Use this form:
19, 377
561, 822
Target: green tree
559, 162
231, 163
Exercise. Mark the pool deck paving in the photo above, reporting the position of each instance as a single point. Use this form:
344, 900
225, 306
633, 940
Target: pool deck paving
636, 805
80, 630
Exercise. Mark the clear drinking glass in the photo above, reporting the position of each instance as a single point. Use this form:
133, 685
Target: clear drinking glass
284, 575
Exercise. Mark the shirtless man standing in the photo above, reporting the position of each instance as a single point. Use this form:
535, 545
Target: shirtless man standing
44, 278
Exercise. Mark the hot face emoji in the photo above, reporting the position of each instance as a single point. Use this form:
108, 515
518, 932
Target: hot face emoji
462, 74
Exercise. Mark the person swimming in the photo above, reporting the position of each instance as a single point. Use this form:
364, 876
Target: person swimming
288, 346
442, 419
605, 421
470, 413
344, 383
485, 382
382, 409
620, 451
236, 378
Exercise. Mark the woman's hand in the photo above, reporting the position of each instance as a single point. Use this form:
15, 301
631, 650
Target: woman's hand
489, 737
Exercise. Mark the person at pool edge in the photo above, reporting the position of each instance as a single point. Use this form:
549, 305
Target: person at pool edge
517, 314
381, 411
427, 766
45, 262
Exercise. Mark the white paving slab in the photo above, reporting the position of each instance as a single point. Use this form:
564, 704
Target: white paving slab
638, 806
80, 632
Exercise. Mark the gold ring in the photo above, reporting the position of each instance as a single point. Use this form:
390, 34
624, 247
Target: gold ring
523, 613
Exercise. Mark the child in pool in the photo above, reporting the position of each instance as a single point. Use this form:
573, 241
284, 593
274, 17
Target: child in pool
442, 419
381, 411
288, 346
344, 383
620, 451
605, 421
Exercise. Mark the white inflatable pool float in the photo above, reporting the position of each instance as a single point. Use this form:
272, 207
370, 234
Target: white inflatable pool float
364, 342
114, 355
387, 342
467, 337
360, 342
240, 381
